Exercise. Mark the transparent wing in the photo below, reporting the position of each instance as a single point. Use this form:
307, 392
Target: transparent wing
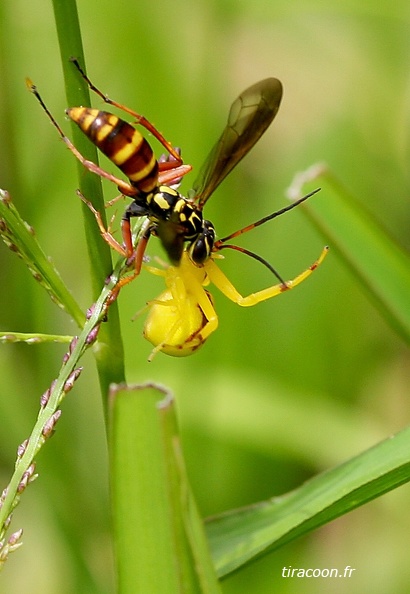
250, 115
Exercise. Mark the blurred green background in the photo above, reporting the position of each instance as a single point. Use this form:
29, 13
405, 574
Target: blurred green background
282, 390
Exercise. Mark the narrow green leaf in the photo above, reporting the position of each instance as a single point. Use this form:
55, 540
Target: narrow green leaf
240, 536
109, 354
31, 338
379, 263
160, 542
19, 236
50, 402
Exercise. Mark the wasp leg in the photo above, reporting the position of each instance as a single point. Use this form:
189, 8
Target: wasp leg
171, 170
172, 176
218, 278
124, 187
111, 202
138, 257
139, 119
127, 250
106, 233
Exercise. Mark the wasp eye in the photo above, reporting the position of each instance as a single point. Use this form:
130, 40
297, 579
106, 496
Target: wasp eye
198, 252
201, 248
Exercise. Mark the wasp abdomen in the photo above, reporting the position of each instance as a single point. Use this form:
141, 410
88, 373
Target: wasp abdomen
121, 143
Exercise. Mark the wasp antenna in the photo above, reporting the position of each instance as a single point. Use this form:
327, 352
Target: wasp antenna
30, 85
266, 219
33, 89
255, 257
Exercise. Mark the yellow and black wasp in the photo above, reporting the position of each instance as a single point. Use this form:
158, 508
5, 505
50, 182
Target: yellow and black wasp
183, 316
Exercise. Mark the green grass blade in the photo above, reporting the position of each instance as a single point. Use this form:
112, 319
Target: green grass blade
77, 93
374, 257
21, 239
30, 338
50, 406
109, 354
160, 542
240, 536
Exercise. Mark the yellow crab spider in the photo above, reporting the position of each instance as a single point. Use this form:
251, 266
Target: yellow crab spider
182, 318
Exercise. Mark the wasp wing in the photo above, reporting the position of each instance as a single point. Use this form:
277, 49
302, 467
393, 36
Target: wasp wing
250, 115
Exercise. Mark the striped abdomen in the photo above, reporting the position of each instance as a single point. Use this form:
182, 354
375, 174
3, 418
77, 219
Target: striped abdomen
121, 143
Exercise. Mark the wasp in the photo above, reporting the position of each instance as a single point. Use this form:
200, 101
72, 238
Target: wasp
188, 239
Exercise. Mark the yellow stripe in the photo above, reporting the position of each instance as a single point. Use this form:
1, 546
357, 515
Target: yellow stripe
129, 149
103, 132
168, 190
144, 171
161, 202
106, 125
179, 206
82, 116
